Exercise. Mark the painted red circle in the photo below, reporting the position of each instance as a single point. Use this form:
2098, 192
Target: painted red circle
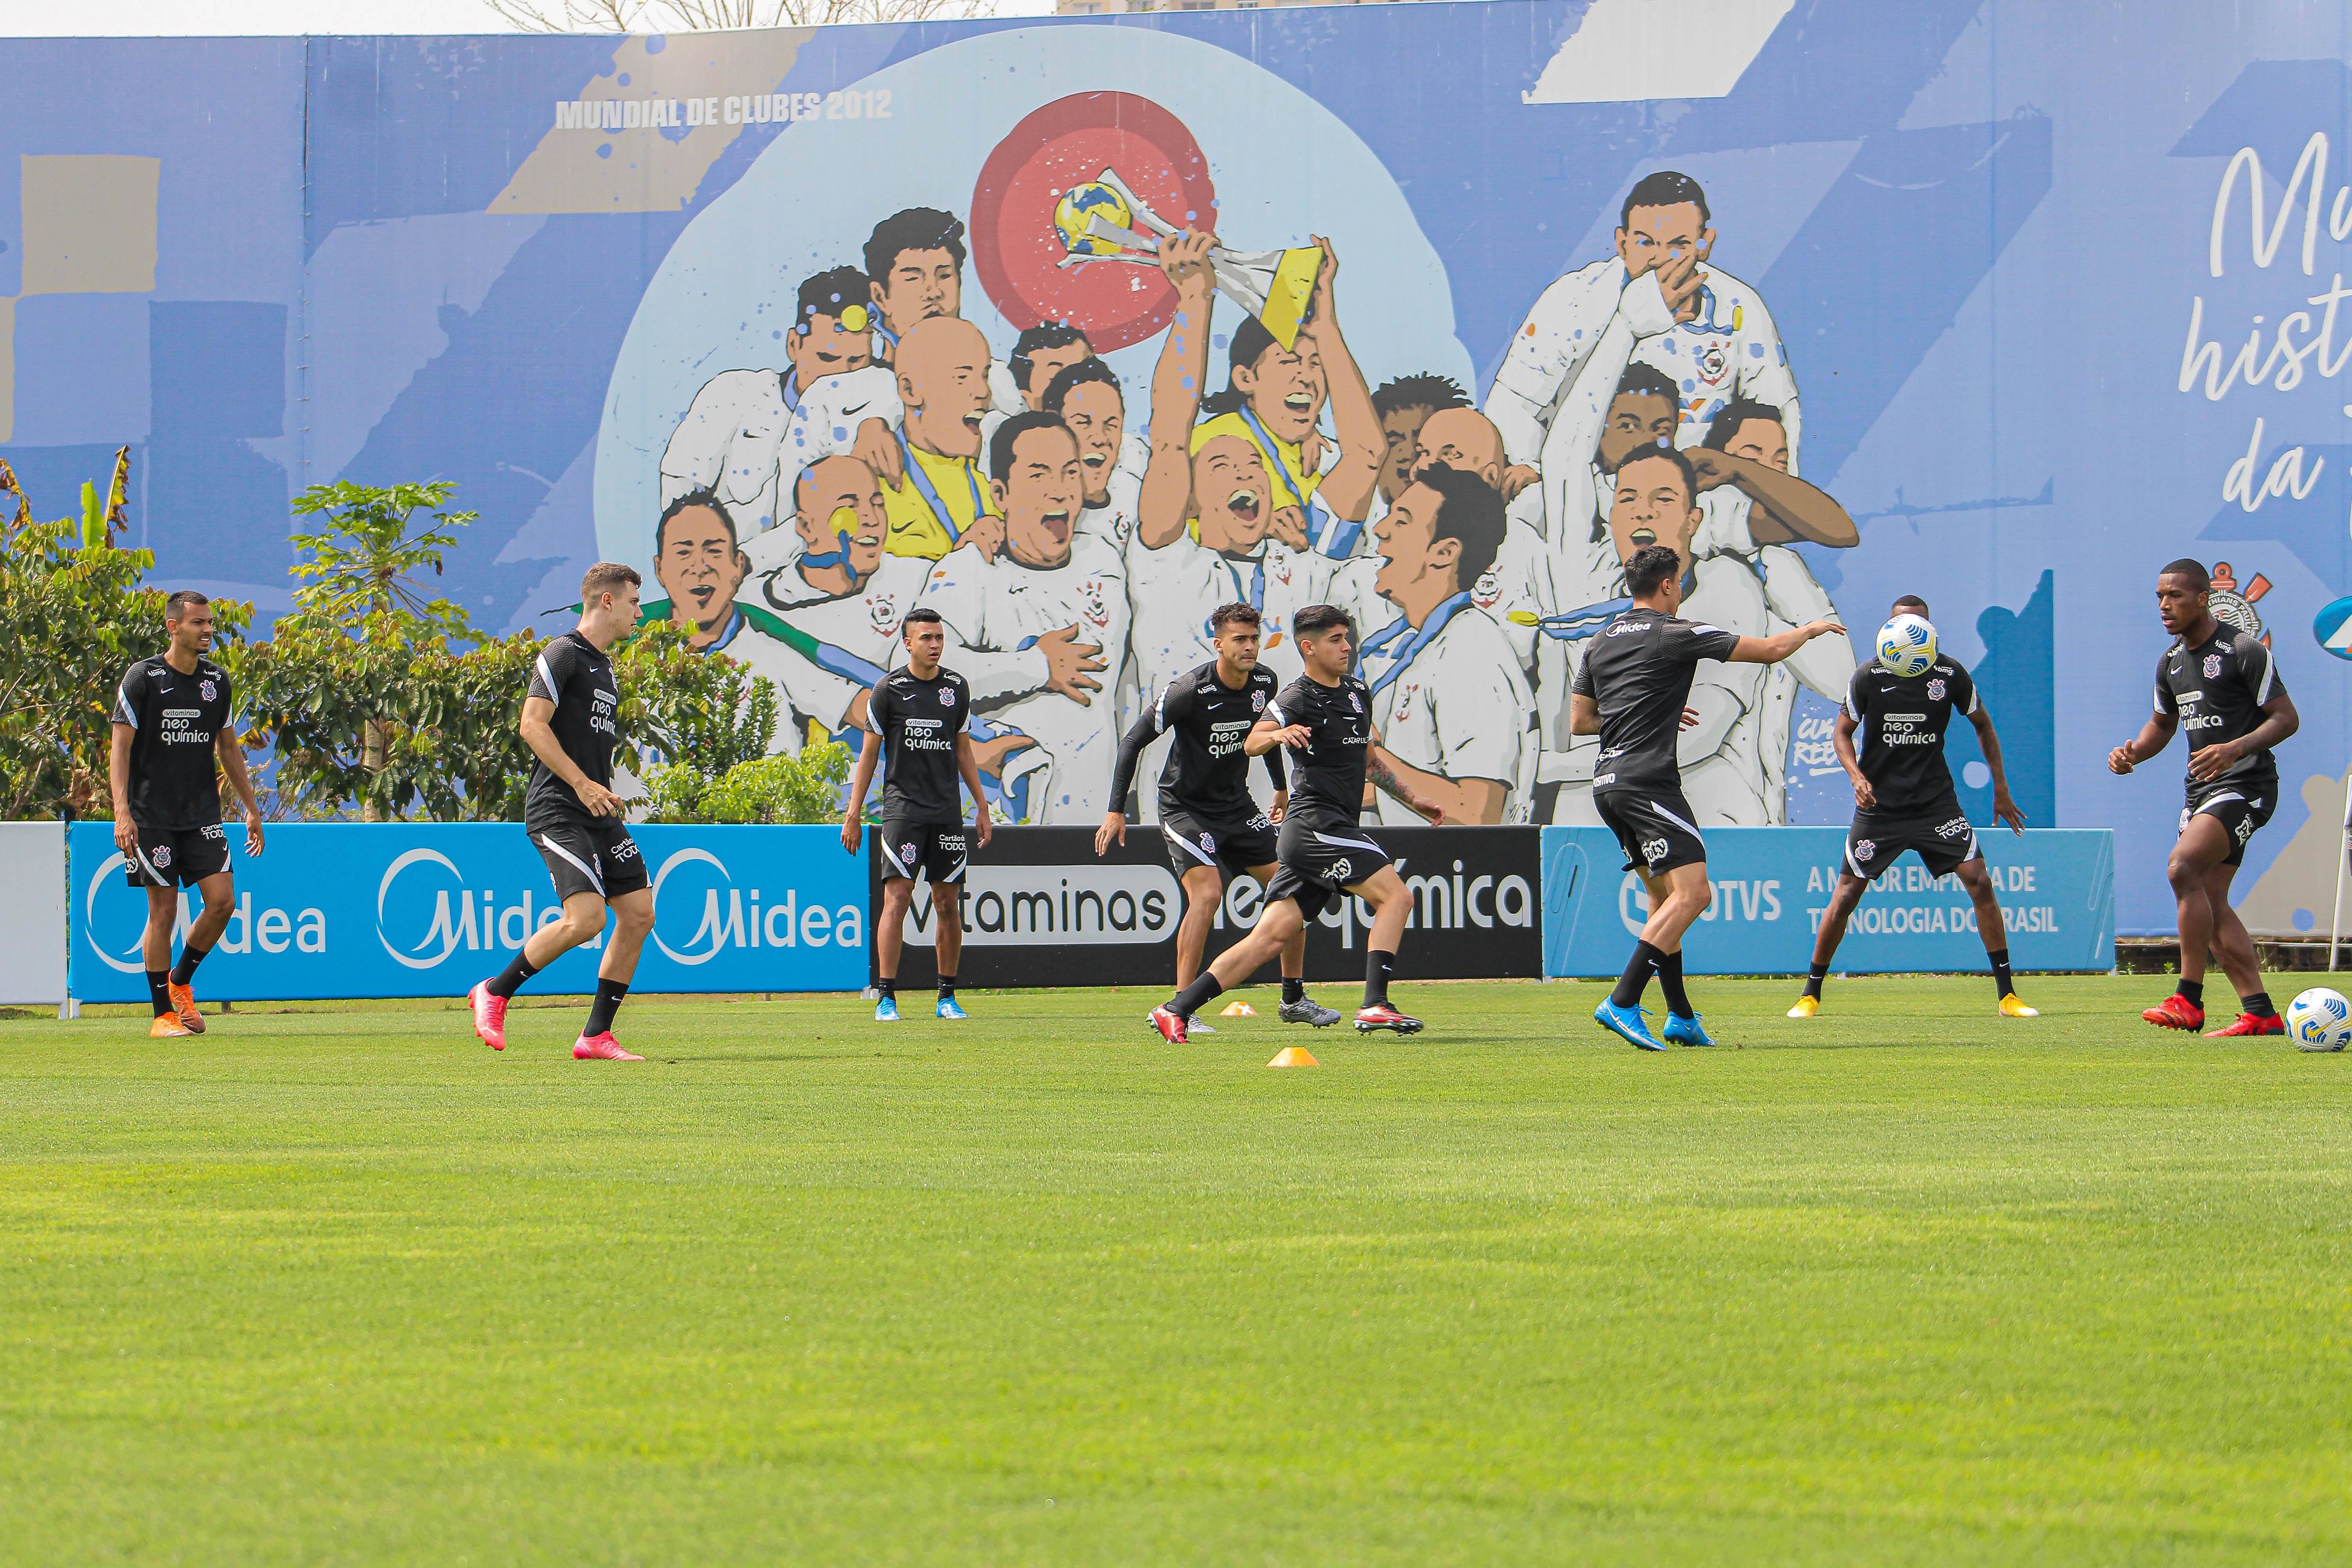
1014, 250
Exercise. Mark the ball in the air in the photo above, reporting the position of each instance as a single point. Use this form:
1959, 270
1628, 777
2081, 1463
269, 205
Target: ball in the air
1081, 203
1906, 646
2319, 1020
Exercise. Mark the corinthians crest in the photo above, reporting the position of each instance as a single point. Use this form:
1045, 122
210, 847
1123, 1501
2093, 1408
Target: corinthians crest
2234, 606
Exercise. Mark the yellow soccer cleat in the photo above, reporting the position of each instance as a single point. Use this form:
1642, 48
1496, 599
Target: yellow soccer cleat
167, 1026
1806, 1007
2010, 1007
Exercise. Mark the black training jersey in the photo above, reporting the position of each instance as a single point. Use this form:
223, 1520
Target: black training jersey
1899, 725
1330, 782
919, 722
577, 677
1638, 668
1207, 772
2216, 690
177, 719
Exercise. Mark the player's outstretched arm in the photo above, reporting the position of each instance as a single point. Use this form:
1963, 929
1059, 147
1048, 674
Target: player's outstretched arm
2279, 722
1787, 508
1865, 795
1384, 772
1780, 644
1164, 503
2004, 809
1347, 489
853, 818
1266, 735
968, 765
240, 779
2153, 737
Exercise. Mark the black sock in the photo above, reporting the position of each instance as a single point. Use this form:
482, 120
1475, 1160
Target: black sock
1636, 978
1378, 967
947, 987
1813, 979
183, 972
159, 990
608, 1002
888, 987
1670, 980
2002, 983
2193, 992
1197, 996
1293, 990
509, 979
2259, 1005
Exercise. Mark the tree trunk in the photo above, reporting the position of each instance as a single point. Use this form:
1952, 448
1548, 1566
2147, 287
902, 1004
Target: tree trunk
375, 743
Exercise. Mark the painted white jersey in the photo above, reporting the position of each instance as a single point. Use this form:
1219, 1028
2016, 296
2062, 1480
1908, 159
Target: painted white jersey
1113, 522
1453, 704
728, 444
862, 627
1173, 590
995, 611
806, 693
826, 424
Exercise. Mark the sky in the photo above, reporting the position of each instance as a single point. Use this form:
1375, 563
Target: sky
84, 18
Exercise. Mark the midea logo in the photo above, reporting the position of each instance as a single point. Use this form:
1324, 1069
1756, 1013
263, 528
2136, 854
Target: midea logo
737, 923
269, 931
460, 918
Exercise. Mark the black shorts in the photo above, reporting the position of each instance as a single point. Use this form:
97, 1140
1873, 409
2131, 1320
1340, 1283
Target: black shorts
2240, 809
1941, 835
177, 858
1655, 829
1314, 863
595, 856
1225, 844
938, 850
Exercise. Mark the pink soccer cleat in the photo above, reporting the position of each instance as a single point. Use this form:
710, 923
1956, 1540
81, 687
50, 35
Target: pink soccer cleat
602, 1048
489, 1016
1171, 1026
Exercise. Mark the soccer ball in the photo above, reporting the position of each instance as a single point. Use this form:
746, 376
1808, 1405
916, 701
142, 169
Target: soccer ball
2319, 1020
1906, 646
1081, 202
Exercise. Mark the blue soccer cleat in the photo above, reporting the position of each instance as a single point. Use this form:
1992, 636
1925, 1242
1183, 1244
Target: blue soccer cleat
886, 1011
1686, 1031
951, 1010
1626, 1023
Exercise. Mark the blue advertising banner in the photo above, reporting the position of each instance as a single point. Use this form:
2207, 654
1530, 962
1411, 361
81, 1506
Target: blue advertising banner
2057, 891
344, 910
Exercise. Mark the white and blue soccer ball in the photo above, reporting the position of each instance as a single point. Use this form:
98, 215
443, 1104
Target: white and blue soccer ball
2319, 1020
1906, 646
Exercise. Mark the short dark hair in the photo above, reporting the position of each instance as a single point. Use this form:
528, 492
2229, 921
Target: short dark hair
1046, 336
1732, 415
829, 293
177, 603
1648, 381
917, 228
2192, 570
1000, 445
1914, 603
922, 614
1071, 377
1317, 619
1651, 565
1470, 511
606, 577
1663, 189
687, 502
1661, 449
1237, 611
1425, 389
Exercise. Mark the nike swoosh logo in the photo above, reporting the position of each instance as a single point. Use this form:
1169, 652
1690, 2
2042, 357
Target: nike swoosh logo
855, 409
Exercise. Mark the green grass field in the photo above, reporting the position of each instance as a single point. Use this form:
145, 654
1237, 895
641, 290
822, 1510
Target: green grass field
1908, 1284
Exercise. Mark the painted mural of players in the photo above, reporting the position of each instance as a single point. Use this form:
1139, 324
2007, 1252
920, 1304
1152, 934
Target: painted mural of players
1403, 405
1086, 395
731, 441
942, 496
1719, 342
1039, 631
700, 568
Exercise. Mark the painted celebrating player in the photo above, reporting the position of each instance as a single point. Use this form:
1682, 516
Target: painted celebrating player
171, 719
1213, 826
571, 723
1325, 715
2223, 686
1904, 799
1632, 690
915, 729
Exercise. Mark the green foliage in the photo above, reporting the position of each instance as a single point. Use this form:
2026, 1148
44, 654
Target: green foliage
364, 560
681, 705
805, 789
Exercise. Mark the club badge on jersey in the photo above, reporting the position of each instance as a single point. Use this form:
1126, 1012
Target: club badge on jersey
2213, 666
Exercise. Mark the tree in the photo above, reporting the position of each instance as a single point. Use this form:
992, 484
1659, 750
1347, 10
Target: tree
805, 788
720, 16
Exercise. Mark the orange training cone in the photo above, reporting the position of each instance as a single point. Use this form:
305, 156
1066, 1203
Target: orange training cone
1238, 1010
1293, 1056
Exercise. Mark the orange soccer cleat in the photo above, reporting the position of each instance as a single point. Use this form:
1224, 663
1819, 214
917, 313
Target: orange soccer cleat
167, 1026
184, 1002
2175, 1012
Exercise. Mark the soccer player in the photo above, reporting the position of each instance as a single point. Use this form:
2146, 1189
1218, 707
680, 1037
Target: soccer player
1087, 397
1630, 690
171, 721
1904, 799
700, 569
570, 721
1326, 715
2223, 687
1403, 405
915, 730
942, 371
1213, 827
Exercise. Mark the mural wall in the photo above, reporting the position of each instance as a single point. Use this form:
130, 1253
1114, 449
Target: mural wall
1996, 304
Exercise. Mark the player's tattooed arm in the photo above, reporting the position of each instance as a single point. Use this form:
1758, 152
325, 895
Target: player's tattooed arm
1164, 503
1380, 770
2279, 721
1583, 714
